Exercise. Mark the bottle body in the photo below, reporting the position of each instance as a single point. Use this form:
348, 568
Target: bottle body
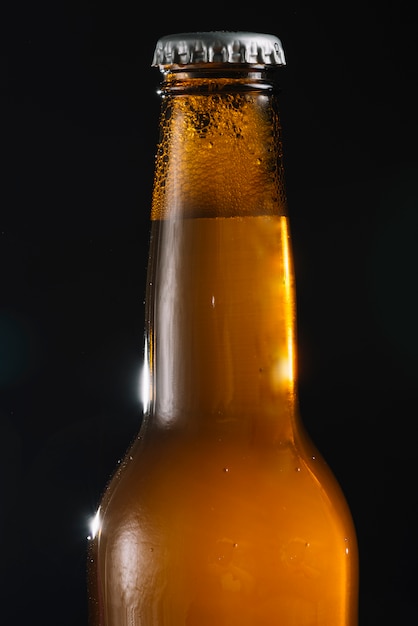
223, 512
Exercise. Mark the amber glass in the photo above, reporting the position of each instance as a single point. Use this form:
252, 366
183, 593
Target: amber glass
223, 513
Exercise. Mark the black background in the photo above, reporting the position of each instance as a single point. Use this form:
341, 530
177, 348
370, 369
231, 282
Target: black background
79, 114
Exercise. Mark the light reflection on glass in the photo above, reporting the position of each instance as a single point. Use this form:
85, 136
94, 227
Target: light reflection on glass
95, 524
289, 312
145, 381
283, 372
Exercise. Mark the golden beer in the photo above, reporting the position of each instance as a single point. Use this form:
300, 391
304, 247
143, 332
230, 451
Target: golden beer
223, 513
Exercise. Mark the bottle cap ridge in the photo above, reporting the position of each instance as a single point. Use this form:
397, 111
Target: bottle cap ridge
218, 47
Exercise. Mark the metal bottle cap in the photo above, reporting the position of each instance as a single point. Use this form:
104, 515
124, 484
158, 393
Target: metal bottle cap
218, 47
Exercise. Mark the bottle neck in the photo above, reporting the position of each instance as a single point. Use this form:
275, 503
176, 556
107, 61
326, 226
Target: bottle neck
220, 147
221, 312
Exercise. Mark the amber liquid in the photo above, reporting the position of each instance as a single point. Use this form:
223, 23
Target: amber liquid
223, 513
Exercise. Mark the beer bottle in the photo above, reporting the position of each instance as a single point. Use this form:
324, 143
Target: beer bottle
223, 512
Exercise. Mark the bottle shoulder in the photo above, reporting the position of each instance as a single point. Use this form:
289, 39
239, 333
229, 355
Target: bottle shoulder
289, 474
270, 517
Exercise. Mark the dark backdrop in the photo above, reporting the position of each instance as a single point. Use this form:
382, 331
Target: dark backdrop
78, 130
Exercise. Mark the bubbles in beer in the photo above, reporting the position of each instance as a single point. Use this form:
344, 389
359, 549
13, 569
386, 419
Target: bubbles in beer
212, 130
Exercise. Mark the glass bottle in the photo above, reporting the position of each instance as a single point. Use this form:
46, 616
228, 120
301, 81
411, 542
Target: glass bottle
223, 512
